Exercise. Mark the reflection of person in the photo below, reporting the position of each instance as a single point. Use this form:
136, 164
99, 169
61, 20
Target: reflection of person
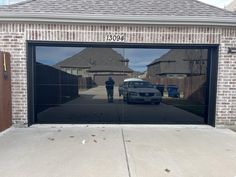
110, 89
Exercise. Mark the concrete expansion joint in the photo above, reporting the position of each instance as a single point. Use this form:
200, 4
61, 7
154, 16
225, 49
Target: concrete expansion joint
125, 149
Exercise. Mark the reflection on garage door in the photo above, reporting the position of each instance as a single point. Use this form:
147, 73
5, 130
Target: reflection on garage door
70, 85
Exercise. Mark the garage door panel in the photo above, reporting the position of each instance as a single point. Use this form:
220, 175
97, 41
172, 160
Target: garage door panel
77, 94
80, 114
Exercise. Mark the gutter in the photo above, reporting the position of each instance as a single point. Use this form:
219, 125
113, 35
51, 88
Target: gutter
102, 19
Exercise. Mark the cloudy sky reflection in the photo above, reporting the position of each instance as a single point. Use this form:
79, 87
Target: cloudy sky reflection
139, 58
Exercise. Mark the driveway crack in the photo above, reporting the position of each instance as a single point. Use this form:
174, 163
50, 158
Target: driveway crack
126, 155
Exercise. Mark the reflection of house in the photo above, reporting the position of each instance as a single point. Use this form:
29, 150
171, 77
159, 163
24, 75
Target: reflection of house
179, 63
136, 74
143, 75
97, 63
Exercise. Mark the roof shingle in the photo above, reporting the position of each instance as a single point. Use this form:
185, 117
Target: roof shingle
181, 54
180, 8
96, 59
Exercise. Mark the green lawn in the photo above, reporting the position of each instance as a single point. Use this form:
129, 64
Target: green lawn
195, 108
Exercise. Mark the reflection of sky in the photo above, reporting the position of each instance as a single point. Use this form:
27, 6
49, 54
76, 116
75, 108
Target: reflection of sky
138, 58
52, 55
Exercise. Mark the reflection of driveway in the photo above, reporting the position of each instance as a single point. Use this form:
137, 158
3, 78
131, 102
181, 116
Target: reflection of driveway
92, 106
96, 95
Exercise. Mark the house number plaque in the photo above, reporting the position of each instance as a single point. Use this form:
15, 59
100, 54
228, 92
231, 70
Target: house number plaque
115, 37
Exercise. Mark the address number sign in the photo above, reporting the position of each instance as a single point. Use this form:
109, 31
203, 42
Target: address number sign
115, 37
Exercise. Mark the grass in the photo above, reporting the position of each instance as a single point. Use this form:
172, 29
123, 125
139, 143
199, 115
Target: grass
195, 108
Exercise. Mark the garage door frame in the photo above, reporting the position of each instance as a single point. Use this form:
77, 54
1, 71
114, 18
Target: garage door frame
211, 81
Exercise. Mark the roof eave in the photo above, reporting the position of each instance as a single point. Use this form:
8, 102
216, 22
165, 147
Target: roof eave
164, 20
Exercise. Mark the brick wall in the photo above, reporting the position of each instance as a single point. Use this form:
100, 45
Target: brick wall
13, 39
226, 95
14, 43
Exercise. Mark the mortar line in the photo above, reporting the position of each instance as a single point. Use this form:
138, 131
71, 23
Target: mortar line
126, 155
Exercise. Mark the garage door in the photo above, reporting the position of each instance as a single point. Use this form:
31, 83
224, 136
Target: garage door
152, 85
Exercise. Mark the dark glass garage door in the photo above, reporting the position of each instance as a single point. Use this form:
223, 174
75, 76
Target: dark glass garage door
151, 85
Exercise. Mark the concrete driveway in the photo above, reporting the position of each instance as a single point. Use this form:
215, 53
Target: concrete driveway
92, 106
118, 151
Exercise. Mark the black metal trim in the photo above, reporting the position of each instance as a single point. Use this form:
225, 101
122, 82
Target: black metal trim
212, 68
30, 83
118, 44
212, 85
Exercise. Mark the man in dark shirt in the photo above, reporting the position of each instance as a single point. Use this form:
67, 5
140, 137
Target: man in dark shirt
110, 89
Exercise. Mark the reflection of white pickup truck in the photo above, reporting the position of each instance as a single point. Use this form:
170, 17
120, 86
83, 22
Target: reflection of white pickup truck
140, 91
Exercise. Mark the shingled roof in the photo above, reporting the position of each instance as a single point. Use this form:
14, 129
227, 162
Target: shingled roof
181, 54
119, 7
114, 8
181, 64
96, 60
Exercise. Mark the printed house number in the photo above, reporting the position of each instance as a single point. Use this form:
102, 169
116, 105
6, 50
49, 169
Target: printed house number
115, 37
